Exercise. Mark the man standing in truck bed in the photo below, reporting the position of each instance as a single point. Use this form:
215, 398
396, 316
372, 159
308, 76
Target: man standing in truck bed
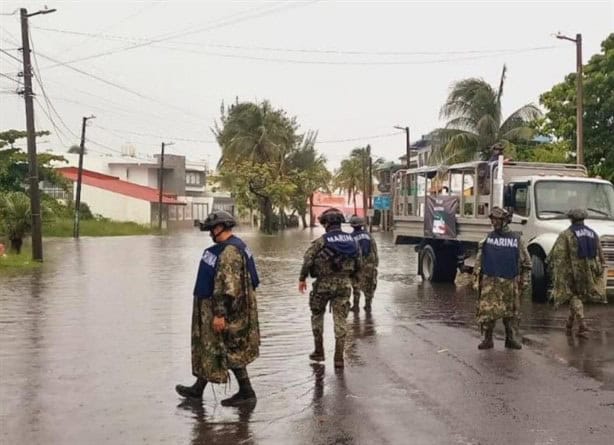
502, 272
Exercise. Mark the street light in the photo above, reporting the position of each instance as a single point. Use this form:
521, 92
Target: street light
406, 129
579, 97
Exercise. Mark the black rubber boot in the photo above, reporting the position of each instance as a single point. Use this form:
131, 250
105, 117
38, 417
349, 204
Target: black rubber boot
192, 392
339, 344
487, 343
510, 342
318, 354
246, 393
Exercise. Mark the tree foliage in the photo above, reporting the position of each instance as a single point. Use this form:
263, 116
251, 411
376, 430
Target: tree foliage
266, 163
350, 176
14, 163
475, 121
560, 102
15, 218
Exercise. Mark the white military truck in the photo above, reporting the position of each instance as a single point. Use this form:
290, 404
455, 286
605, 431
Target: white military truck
540, 194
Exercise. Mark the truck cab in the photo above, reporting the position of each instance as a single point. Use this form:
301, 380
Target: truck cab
540, 194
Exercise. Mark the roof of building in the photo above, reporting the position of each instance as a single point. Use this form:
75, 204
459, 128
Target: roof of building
116, 185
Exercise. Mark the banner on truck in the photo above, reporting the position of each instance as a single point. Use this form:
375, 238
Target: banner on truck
440, 216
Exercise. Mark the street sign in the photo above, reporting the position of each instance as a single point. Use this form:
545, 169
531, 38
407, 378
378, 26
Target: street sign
382, 202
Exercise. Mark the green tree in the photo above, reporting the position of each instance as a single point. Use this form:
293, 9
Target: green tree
560, 102
349, 176
15, 218
308, 173
256, 134
475, 122
14, 163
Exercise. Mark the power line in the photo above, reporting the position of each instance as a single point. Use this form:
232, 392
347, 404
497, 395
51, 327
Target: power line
307, 50
158, 136
10, 55
182, 33
363, 138
10, 78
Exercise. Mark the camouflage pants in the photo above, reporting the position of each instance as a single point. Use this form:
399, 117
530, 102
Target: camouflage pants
365, 283
208, 351
340, 306
576, 308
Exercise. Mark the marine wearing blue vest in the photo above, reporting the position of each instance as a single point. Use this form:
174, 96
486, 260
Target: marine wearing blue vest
225, 332
366, 281
502, 273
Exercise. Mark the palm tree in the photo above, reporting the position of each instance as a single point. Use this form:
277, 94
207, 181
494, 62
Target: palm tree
474, 121
15, 217
258, 134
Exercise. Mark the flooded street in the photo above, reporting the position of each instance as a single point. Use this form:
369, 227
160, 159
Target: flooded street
93, 343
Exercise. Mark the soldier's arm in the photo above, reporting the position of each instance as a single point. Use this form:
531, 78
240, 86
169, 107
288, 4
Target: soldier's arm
229, 281
600, 255
309, 258
477, 267
525, 265
375, 254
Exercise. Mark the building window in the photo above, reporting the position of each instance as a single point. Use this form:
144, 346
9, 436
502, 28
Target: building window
192, 178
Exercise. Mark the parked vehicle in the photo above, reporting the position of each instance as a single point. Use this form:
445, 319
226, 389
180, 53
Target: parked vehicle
539, 194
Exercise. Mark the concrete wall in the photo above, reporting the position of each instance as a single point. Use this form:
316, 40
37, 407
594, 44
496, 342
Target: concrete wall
115, 206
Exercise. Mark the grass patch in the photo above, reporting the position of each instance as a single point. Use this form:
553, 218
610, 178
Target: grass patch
15, 261
95, 227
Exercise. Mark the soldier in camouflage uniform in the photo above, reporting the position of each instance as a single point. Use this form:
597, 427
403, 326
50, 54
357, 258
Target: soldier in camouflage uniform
502, 272
225, 331
333, 259
576, 265
366, 281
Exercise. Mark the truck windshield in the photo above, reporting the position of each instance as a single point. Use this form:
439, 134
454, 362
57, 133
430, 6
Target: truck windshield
555, 198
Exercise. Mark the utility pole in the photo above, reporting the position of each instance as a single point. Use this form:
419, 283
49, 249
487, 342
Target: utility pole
80, 178
35, 204
364, 182
579, 98
407, 145
161, 183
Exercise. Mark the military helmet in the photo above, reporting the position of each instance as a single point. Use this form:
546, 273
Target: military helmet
332, 216
498, 213
357, 221
577, 214
497, 146
219, 217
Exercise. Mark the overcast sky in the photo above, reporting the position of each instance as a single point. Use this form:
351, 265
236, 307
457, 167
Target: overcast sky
349, 69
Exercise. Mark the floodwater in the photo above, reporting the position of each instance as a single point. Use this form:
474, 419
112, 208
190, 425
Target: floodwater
93, 343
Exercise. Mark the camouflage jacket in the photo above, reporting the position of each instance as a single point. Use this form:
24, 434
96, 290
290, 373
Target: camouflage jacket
235, 299
582, 277
500, 297
316, 265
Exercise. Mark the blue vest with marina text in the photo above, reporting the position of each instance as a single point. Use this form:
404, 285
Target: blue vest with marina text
587, 241
500, 255
207, 269
364, 241
341, 243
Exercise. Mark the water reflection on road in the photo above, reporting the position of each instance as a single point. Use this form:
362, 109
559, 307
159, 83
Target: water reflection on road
93, 343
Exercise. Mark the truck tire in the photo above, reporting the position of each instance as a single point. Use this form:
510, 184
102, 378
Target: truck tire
539, 279
437, 265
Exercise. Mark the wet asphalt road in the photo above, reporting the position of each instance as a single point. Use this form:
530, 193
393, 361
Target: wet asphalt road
92, 345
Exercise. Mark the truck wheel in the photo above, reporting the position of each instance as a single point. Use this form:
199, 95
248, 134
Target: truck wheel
437, 266
539, 280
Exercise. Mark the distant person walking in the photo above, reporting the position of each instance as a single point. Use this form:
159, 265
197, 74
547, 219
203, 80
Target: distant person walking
576, 265
225, 331
366, 280
333, 260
